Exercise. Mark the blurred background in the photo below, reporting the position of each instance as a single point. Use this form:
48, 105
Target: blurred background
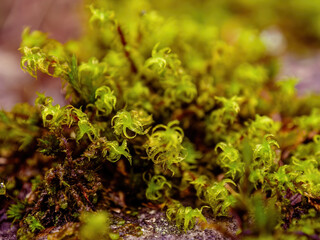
59, 18
63, 21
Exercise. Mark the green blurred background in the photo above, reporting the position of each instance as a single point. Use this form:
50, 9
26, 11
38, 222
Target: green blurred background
289, 29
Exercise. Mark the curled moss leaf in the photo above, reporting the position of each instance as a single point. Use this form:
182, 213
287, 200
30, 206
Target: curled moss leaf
229, 159
156, 186
113, 151
219, 198
164, 145
86, 128
262, 125
135, 121
185, 217
105, 100
265, 152
282, 179
42, 54
158, 60
33, 60
200, 184
226, 115
230, 108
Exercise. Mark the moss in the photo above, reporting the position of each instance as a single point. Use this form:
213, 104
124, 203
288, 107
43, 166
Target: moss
161, 110
94, 225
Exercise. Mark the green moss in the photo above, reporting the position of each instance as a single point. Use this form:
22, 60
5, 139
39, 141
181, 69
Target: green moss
95, 225
16, 211
183, 112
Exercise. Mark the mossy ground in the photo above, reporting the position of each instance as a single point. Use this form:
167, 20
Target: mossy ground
193, 123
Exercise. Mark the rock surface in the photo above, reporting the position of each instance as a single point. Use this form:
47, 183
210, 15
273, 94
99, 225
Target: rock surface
145, 224
151, 224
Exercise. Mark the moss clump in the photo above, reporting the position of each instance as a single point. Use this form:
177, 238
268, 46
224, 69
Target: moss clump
165, 111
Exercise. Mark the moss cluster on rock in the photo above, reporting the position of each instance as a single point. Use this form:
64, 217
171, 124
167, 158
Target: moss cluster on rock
167, 109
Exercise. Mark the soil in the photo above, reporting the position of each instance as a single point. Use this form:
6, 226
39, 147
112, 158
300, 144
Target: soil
145, 224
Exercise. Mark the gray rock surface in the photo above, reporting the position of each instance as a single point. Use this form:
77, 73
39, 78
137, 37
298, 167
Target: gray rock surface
151, 224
